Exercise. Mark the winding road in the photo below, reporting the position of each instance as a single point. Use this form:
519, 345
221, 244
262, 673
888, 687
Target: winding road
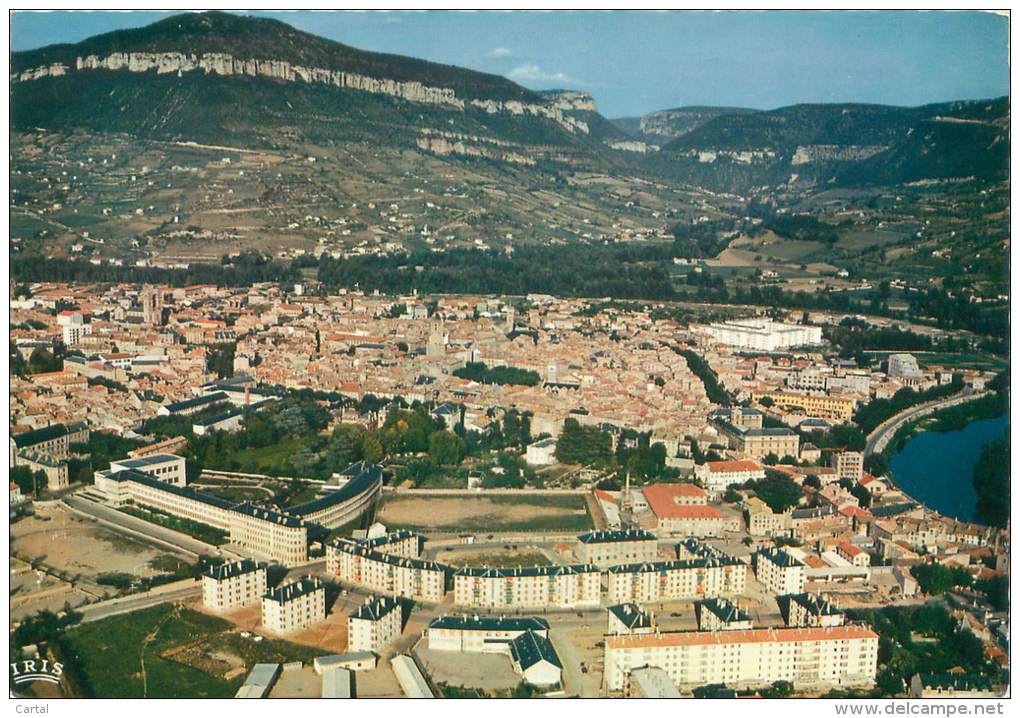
883, 434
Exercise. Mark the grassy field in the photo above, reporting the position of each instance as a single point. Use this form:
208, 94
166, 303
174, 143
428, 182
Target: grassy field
527, 512
208, 534
186, 655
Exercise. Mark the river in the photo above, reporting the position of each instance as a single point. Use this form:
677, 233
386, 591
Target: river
937, 468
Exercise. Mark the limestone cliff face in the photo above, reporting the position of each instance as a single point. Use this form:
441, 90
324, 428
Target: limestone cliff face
227, 65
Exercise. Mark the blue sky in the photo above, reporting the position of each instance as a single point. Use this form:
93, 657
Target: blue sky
638, 62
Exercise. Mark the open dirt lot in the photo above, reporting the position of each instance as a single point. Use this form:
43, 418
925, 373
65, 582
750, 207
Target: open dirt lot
329, 636
453, 513
74, 545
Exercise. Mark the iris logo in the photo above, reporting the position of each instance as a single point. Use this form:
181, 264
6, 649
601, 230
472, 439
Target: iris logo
28, 671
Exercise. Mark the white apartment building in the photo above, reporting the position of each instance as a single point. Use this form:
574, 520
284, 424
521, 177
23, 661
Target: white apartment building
842, 656
480, 634
628, 618
390, 575
778, 571
609, 548
375, 625
668, 580
233, 585
574, 586
718, 614
294, 606
267, 533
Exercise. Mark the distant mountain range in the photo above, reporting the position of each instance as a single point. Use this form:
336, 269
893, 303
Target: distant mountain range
222, 78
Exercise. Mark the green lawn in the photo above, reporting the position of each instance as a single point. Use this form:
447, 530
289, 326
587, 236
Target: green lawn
106, 655
208, 534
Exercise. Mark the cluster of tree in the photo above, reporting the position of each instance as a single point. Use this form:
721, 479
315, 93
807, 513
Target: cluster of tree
30, 483
854, 335
479, 372
703, 239
582, 444
958, 312
219, 359
715, 391
801, 227
629, 271
644, 461
43, 627
777, 490
250, 268
944, 645
869, 416
842, 436
935, 579
991, 482
40, 361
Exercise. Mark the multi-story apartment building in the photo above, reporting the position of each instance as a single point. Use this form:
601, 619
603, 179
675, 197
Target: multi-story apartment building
47, 450
842, 656
574, 586
669, 580
294, 606
609, 548
480, 634
233, 585
163, 467
267, 533
778, 571
762, 520
848, 464
682, 510
341, 505
808, 609
385, 573
375, 625
718, 614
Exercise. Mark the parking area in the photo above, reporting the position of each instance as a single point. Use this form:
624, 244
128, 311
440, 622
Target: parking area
485, 671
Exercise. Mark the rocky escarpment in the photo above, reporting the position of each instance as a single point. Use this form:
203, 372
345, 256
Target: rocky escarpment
228, 65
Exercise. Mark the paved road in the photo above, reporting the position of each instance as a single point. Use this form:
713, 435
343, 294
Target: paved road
105, 609
881, 436
143, 529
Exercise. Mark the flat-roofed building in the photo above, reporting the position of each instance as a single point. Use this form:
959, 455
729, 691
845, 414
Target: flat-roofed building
233, 585
778, 571
607, 548
168, 468
375, 625
809, 658
763, 334
627, 618
809, 609
409, 676
739, 416
573, 586
848, 464
480, 634
650, 683
294, 606
719, 614
390, 575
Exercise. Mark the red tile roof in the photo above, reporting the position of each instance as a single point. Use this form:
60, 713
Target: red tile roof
753, 635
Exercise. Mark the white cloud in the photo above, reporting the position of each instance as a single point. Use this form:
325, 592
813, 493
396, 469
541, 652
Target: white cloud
529, 72
498, 53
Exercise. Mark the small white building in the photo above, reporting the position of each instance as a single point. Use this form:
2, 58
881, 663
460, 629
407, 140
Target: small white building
541, 453
534, 657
